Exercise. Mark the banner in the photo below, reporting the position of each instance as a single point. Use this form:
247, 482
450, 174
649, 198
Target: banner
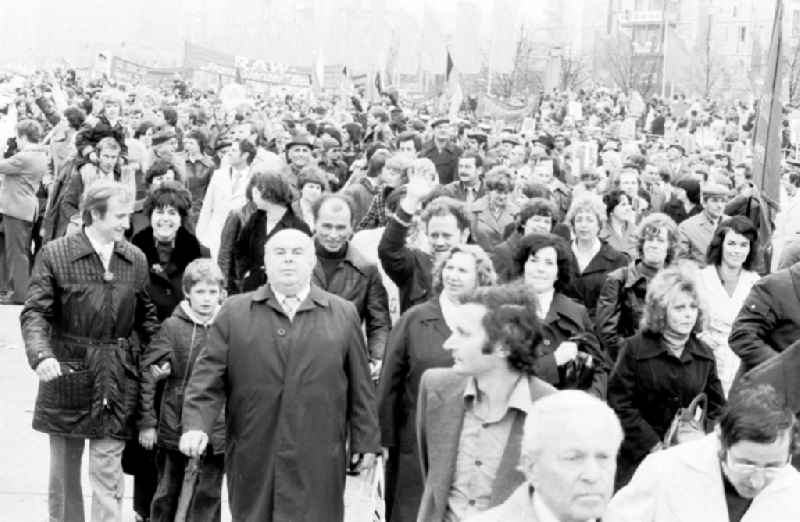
127, 71
493, 108
767, 137
198, 58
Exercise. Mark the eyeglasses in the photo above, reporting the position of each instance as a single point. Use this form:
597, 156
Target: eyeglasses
750, 469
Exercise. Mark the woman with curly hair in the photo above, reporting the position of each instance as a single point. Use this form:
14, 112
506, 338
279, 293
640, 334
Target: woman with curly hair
569, 355
415, 345
621, 300
663, 368
168, 245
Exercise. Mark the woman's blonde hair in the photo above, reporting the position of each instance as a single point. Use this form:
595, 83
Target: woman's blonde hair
662, 290
484, 268
587, 202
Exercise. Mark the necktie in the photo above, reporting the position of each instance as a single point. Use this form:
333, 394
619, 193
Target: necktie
290, 304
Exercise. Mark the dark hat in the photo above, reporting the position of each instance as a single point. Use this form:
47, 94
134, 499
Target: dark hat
479, 136
439, 121
327, 143
512, 139
163, 136
300, 139
677, 146
545, 140
691, 186
417, 125
715, 189
222, 144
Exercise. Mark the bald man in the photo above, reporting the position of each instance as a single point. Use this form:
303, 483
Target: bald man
289, 363
568, 456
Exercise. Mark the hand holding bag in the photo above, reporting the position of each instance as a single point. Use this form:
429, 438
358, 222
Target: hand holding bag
686, 425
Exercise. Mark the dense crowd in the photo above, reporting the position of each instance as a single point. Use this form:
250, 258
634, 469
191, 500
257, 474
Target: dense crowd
573, 315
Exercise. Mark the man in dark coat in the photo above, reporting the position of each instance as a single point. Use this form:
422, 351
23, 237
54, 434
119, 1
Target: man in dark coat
781, 372
88, 292
769, 320
442, 151
446, 224
288, 362
343, 271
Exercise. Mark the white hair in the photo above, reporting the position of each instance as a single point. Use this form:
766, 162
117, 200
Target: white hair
545, 413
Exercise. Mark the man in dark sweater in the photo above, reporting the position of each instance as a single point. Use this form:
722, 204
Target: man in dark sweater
343, 271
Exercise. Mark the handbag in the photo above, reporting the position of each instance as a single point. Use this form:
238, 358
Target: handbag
686, 425
364, 495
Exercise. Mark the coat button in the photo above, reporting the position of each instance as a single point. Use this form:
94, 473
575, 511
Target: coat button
281, 332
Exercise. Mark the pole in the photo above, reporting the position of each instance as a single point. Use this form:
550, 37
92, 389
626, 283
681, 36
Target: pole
664, 50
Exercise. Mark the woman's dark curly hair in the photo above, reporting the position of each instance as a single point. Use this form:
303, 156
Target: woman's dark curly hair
169, 194
740, 225
159, 168
511, 322
532, 243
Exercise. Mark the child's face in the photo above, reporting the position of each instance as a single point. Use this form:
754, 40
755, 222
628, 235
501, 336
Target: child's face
204, 297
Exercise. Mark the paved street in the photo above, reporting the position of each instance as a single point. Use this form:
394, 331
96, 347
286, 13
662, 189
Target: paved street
24, 452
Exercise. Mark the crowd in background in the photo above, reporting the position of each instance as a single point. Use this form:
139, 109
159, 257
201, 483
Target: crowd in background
609, 244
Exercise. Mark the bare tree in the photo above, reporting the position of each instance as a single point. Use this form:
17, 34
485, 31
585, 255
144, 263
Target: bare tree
574, 71
524, 76
627, 69
792, 71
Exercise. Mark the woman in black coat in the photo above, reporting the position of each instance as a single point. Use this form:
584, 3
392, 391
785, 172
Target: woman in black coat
569, 343
594, 258
166, 243
621, 301
272, 197
415, 345
662, 369
169, 247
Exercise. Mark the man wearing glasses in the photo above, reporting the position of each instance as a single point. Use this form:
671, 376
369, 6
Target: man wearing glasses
740, 472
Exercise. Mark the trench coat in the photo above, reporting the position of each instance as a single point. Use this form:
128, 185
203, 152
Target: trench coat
649, 386
415, 345
293, 390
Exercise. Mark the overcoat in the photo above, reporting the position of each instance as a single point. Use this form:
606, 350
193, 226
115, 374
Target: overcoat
415, 345
769, 320
85, 317
649, 386
294, 391
586, 285
409, 268
569, 321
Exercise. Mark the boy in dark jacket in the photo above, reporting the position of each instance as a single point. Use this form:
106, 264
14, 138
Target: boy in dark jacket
172, 355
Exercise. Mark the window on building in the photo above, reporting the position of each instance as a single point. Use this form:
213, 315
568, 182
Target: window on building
742, 34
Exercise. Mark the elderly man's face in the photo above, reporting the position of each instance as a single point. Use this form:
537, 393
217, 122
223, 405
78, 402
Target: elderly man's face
289, 259
574, 469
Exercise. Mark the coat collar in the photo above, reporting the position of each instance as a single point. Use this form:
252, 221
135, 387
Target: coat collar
651, 346
352, 257
563, 306
316, 297
81, 247
185, 251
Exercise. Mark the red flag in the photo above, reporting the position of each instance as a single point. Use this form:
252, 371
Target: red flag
767, 139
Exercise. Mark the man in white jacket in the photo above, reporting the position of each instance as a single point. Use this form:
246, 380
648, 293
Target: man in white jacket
225, 193
739, 473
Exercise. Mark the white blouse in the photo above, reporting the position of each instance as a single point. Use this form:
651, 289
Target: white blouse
722, 310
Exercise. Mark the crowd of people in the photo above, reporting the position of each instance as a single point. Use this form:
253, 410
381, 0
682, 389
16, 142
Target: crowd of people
516, 318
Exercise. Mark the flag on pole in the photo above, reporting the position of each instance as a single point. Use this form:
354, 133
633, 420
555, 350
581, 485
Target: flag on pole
455, 95
767, 138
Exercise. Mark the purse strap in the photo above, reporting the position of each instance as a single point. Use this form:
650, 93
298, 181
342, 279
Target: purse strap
701, 400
